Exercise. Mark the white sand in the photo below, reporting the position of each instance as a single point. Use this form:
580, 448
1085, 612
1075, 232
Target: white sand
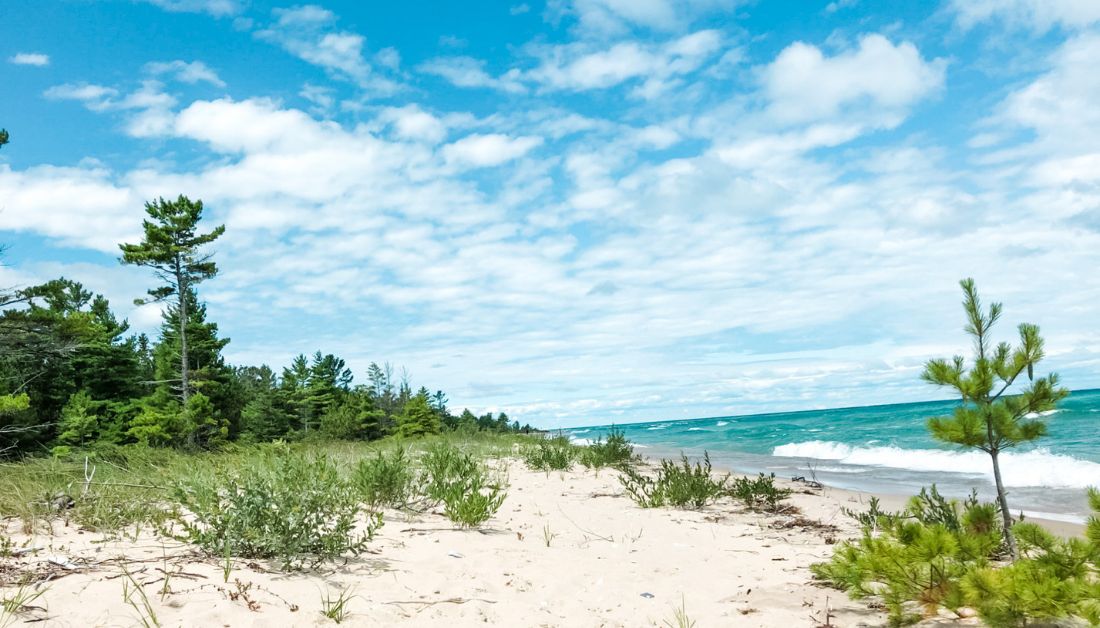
608, 564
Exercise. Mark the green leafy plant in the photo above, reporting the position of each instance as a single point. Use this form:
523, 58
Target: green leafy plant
943, 553
551, 454
681, 486
387, 481
470, 502
613, 452
285, 506
760, 493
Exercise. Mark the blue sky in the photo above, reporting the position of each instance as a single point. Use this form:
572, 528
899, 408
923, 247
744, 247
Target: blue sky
578, 211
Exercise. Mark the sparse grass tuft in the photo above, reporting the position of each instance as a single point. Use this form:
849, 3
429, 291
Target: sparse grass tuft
680, 617
18, 602
336, 608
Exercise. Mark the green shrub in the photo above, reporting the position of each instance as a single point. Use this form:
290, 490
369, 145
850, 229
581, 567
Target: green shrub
387, 481
680, 486
469, 503
285, 506
940, 553
613, 452
443, 466
551, 454
759, 494
461, 483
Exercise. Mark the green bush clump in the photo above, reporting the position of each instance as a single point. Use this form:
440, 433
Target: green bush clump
681, 486
458, 481
387, 481
943, 553
470, 502
759, 494
551, 454
614, 452
292, 507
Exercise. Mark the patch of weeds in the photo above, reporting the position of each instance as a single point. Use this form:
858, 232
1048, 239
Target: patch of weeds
681, 486
285, 506
614, 452
336, 608
759, 494
551, 454
387, 481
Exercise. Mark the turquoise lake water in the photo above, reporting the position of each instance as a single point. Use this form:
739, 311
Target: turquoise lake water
886, 449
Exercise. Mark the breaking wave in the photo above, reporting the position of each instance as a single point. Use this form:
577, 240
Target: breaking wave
1037, 468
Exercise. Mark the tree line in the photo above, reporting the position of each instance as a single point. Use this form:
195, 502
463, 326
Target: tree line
72, 376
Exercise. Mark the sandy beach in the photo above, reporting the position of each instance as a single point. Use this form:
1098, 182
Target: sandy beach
566, 549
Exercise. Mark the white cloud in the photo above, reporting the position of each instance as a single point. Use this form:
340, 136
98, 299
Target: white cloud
94, 97
306, 32
216, 8
577, 67
148, 106
185, 72
488, 150
804, 85
80, 207
413, 123
470, 73
1038, 15
30, 58
616, 16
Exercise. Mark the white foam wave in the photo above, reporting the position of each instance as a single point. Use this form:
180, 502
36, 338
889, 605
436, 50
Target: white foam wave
695, 429
583, 442
659, 427
721, 423
1038, 468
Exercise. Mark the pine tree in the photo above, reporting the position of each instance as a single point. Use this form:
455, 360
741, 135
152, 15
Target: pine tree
988, 419
418, 418
171, 248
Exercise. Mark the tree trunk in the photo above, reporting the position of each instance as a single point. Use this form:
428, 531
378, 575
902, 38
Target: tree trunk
1002, 499
185, 384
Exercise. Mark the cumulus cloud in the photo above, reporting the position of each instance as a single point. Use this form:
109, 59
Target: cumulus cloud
308, 33
30, 58
1038, 15
488, 150
804, 85
185, 72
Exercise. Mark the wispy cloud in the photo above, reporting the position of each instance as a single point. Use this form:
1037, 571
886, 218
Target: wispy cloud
308, 32
182, 71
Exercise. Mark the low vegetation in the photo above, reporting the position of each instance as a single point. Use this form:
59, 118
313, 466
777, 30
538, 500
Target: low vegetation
289, 506
941, 553
680, 486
